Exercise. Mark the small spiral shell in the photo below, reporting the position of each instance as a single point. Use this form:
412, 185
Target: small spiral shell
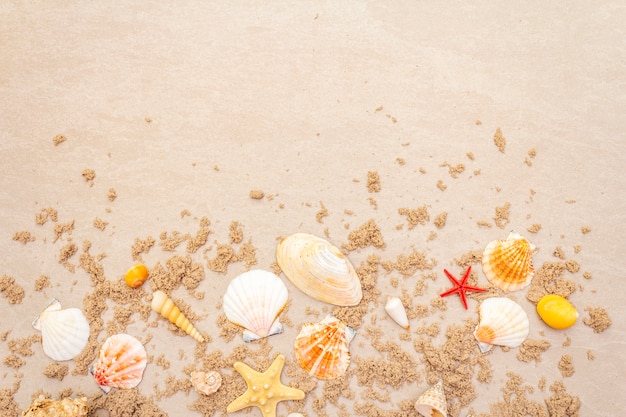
164, 305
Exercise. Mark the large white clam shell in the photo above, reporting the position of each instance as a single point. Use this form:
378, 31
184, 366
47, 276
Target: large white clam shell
253, 300
120, 364
502, 322
319, 269
64, 332
432, 403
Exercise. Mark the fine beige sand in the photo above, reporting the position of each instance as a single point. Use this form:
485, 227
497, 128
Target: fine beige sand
193, 136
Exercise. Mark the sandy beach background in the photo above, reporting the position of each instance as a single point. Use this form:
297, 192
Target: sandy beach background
172, 113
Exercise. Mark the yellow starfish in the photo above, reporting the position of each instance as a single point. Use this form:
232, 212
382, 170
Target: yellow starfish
264, 389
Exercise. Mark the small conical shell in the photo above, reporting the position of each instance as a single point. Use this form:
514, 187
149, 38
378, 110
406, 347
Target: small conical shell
508, 263
253, 300
120, 364
502, 322
319, 269
164, 305
64, 333
322, 348
67, 407
397, 312
432, 403
206, 382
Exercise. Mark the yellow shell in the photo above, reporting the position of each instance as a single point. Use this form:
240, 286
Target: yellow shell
136, 276
165, 306
508, 263
67, 407
319, 269
556, 311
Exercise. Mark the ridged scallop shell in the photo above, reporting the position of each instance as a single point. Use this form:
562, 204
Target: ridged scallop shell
64, 332
502, 322
432, 403
253, 300
322, 348
508, 263
319, 269
206, 382
397, 312
120, 364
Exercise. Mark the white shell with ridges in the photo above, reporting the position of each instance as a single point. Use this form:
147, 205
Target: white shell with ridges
319, 269
253, 300
64, 332
120, 364
502, 322
432, 403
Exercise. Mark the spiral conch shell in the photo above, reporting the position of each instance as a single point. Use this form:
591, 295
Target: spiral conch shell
319, 269
254, 300
508, 263
120, 364
164, 305
432, 403
67, 407
206, 382
502, 322
64, 332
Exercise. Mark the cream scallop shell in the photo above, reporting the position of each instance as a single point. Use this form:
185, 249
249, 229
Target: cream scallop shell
508, 263
120, 364
502, 322
253, 300
432, 403
397, 312
319, 269
322, 348
64, 332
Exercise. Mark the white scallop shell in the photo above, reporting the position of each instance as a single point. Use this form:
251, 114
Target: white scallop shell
502, 322
319, 269
64, 333
397, 312
253, 300
120, 364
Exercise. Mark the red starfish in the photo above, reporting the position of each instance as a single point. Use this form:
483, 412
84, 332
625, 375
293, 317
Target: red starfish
460, 287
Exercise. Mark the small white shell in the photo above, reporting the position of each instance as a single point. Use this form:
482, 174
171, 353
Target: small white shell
64, 333
432, 403
396, 311
502, 322
253, 300
206, 382
120, 364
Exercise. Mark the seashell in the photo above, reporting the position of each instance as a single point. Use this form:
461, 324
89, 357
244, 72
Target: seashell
164, 305
206, 382
136, 275
508, 263
47, 407
253, 300
64, 333
501, 322
322, 348
396, 311
432, 403
295, 415
556, 311
120, 364
319, 269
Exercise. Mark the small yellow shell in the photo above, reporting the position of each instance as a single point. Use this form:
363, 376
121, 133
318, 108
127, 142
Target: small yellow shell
556, 311
136, 276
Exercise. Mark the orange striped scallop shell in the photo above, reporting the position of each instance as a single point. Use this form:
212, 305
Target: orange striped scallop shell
508, 263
